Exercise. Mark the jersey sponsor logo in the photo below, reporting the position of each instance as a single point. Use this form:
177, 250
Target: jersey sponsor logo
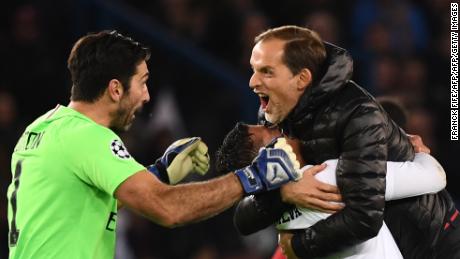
119, 149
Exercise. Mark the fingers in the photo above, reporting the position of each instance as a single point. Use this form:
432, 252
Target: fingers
327, 187
282, 144
191, 145
320, 185
201, 168
200, 158
315, 169
202, 148
422, 149
417, 143
325, 192
331, 197
324, 205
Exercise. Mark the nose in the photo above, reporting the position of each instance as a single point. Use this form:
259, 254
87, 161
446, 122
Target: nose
254, 81
146, 95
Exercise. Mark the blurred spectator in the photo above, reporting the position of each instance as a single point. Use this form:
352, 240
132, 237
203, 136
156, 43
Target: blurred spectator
404, 21
414, 78
421, 122
326, 25
31, 65
385, 75
253, 24
10, 129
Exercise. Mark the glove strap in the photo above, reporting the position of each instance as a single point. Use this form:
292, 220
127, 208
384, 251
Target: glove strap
249, 180
159, 170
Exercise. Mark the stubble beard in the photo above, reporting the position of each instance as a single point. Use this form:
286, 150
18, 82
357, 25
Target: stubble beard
121, 121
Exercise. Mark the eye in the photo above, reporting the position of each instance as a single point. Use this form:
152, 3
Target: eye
267, 71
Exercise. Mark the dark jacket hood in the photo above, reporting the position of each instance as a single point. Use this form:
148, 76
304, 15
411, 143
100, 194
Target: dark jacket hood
336, 71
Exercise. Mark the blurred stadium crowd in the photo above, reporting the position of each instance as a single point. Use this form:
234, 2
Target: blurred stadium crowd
400, 48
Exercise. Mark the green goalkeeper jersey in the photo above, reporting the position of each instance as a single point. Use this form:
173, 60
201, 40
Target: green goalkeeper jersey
61, 202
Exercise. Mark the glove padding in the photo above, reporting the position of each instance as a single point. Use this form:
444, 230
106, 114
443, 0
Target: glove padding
180, 159
271, 168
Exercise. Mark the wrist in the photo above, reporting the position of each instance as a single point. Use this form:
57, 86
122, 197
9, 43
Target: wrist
286, 193
160, 171
249, 180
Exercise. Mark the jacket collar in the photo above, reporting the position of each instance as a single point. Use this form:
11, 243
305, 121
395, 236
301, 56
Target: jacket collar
336, 71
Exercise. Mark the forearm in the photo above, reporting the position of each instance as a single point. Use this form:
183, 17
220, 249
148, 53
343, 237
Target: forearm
175, 205
197, 201
257, 212
429, 174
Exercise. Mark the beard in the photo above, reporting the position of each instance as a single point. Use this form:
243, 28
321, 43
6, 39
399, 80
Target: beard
122, 119
273, 118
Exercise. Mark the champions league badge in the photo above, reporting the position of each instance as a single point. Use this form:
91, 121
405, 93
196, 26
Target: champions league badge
119, 149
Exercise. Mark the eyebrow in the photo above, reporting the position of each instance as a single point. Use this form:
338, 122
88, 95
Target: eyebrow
145, 75
262, 68
266, 68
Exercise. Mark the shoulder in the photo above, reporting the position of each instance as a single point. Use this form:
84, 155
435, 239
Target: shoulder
354, 95
354, 101
82, 134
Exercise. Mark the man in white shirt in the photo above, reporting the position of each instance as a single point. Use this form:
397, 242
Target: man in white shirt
430, 175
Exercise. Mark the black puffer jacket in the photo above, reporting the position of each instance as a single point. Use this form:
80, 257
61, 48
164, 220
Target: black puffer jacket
335, 118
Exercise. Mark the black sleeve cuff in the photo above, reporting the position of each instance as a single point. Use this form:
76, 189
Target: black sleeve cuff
297, 245
160, 171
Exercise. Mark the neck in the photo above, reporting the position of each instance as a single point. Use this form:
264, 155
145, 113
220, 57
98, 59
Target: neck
96, 111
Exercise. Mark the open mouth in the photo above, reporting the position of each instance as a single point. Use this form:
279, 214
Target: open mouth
137, 112
264, 99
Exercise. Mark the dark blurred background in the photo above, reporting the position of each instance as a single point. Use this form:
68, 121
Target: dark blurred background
199, 84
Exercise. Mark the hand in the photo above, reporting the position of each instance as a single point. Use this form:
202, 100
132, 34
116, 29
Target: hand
180, 159
311, 193
418, 145
270, 169
284, 241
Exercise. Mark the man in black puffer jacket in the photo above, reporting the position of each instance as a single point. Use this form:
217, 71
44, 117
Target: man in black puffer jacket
305, 89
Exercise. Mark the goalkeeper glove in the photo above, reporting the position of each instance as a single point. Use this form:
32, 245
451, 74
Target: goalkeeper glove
180, 159
271, 168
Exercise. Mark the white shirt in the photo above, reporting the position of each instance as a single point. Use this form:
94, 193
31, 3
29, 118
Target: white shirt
400, 183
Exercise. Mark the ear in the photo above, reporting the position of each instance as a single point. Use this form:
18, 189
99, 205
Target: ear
115, 90
305, 79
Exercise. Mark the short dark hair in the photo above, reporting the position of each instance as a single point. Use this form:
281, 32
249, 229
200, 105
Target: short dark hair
97, 58
303, 48
236, 151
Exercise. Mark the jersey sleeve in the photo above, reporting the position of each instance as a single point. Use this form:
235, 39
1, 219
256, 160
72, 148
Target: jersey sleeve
412, 178
102, 159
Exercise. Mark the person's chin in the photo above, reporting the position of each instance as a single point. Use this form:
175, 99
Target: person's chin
271, 118
121, 128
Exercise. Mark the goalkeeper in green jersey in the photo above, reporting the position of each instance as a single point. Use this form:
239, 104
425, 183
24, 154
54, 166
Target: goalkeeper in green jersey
71, 171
